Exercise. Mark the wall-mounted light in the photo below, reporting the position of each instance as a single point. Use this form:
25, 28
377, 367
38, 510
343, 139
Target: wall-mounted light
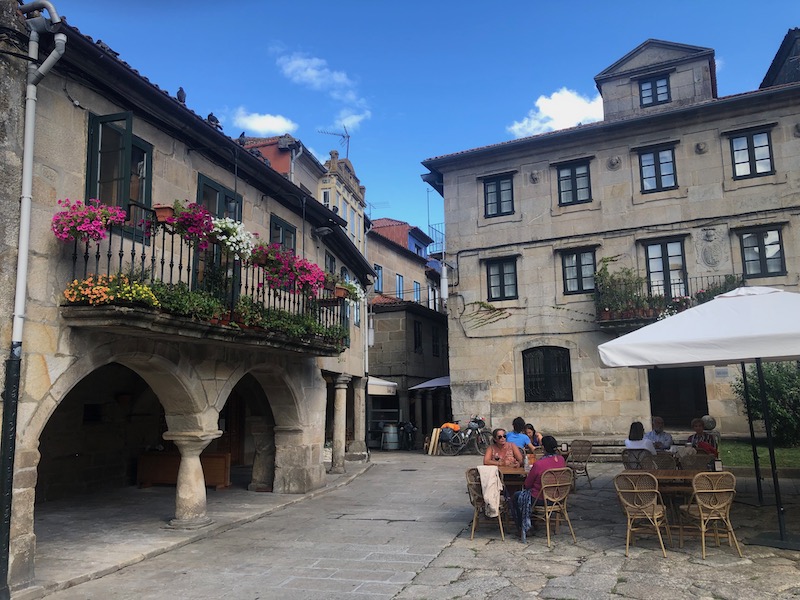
321, 231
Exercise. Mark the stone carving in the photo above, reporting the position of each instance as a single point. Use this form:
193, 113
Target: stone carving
710, 249
797, 130
700, 148
535, 176
614, 163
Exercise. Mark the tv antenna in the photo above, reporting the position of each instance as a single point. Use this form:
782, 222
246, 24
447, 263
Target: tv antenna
345, 138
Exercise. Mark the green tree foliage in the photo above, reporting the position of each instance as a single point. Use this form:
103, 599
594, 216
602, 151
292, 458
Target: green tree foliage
782, 384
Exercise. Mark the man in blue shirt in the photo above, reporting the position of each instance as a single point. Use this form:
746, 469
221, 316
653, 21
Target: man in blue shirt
660, 438
518, 437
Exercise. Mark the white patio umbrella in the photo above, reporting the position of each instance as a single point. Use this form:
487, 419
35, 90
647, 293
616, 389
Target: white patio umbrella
748, 324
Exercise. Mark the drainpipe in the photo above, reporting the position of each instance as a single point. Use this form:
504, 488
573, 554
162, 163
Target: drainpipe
8, 437
294, 158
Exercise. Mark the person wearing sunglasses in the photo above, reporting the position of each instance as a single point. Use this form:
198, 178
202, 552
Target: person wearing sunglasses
501, 453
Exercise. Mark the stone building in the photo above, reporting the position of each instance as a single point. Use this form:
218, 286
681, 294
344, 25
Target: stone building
103, 387
560, 241
409, 325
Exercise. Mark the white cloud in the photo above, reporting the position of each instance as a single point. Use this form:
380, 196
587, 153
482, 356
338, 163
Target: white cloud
562, 109
263, 124
315, 74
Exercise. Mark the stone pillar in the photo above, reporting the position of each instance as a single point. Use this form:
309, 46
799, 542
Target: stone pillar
423, 429
358, 447
190, 496
298, 460
427, 399
264, 458
339, 423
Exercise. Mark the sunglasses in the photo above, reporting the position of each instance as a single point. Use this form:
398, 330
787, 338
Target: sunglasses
500, 437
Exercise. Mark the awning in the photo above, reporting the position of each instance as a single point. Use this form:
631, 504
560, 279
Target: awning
381, 387
439, 382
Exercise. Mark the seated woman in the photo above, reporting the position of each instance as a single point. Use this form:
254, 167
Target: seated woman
535, 436
500, 453
532, 487
636, 439
701, 440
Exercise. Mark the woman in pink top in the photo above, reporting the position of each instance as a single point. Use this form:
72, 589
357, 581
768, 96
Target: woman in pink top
551, 460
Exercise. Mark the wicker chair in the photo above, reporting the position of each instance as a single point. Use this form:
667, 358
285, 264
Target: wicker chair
637, 459
475, 492
556, 486
644, 508
696, 462
664, 460
579, 453
710, 504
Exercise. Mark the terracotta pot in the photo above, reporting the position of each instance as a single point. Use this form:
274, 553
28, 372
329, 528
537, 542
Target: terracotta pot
163, 213
340, 292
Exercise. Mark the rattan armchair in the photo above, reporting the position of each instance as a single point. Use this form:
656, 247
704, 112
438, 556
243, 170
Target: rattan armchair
579, 453
710, 504
644, 508
556, 486
475, 492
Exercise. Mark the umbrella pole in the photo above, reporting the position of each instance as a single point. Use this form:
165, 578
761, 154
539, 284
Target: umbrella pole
752, 437
768, 427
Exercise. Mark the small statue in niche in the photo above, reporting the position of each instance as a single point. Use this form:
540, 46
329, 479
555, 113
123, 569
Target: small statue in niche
614, 163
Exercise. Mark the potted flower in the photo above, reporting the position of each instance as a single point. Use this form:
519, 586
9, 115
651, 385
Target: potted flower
163, 212
84, 222
110, 289
234, 237
193, 222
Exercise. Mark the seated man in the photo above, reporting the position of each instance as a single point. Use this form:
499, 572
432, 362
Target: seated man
660, 438
518, 437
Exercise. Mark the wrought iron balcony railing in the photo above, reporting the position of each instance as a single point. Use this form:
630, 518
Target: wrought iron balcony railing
627, 300
210, 286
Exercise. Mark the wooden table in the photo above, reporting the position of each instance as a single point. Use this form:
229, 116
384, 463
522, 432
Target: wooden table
513, 478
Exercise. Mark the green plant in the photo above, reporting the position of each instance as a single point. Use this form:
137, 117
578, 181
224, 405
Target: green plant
250, 312
782, 389
712, 290
178, 299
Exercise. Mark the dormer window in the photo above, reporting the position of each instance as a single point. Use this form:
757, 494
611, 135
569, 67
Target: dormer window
654, 90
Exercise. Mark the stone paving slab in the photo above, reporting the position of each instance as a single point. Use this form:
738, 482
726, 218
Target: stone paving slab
393, 533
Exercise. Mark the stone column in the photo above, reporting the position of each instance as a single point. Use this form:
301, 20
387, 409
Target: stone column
339, 424
423, 427
190, 496
264, 458
427, 398
358, 447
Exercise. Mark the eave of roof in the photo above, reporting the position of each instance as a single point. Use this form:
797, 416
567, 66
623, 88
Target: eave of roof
601, 127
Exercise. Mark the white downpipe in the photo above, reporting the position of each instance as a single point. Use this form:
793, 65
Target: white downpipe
35, 75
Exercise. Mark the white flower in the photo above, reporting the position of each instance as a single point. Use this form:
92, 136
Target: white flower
234, 237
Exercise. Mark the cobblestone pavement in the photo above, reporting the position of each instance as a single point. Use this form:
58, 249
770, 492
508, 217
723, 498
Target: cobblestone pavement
400, 529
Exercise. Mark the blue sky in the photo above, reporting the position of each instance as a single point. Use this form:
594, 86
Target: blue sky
412, 80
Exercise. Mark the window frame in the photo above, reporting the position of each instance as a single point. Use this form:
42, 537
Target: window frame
398, 286
377, 287
129, 141
417, 292
417, 336
668, 286
501, 262
573, 179
497, 180
658, 175
760, 232
750, 147
653, 82
330, 263
435, 343
555, 383
579, 278
282, 226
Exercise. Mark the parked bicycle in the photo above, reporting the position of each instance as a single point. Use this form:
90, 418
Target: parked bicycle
474, 437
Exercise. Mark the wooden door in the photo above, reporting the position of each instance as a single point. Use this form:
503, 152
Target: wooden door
678, 395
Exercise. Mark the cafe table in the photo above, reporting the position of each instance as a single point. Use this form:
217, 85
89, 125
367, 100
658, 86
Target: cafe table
513, 478
675, 486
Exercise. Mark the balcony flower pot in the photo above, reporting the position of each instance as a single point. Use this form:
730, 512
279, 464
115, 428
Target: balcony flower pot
164, 213
340, 292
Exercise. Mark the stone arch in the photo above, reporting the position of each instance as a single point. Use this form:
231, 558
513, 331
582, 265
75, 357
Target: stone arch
177, 386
